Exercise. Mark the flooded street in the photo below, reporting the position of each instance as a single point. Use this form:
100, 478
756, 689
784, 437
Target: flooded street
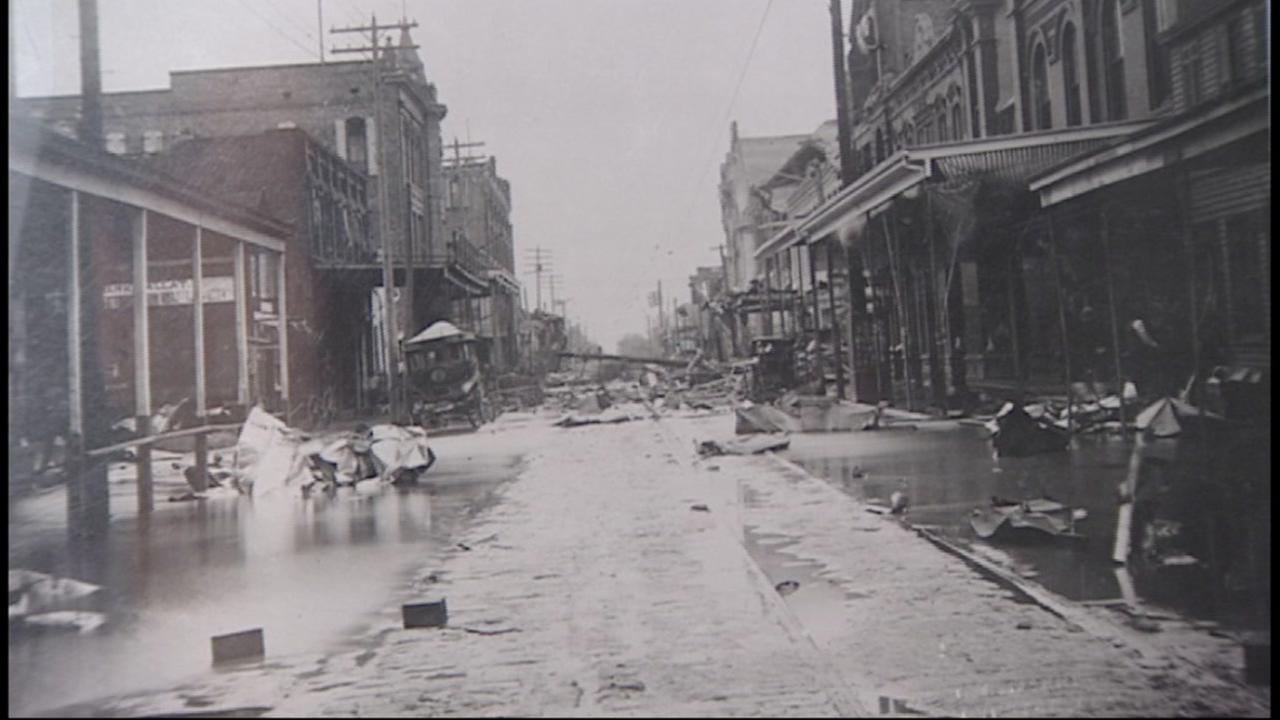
309, 572
1221, 503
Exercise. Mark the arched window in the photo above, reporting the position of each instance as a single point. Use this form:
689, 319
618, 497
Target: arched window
1112, 61
944, 133
1071, 74
1041, 110
957, 120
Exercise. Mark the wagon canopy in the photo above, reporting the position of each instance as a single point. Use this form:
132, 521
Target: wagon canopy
440, 331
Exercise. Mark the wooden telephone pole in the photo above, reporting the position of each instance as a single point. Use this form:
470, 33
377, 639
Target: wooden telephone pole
541, 261
391, 354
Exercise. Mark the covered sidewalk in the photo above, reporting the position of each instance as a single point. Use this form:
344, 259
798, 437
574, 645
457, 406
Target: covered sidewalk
1204, 178
130, 291
926, 237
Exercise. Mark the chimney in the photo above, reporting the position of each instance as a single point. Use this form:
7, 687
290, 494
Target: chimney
90, 75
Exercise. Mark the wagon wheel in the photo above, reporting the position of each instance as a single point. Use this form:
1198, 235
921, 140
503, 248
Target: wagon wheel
474, 409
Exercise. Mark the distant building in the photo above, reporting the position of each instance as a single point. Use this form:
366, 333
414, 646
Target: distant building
477, 211
748, 213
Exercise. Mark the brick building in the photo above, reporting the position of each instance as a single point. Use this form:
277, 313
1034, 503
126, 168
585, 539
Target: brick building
292, 177
333, 103
478, 212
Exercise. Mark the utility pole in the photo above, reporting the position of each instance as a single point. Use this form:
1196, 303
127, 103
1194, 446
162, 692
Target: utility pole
90, 75
541, 263
457, 151
391, 354
320, 28
662, 321
845, 128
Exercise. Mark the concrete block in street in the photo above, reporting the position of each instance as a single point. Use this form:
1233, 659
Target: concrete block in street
244, 645
425, 614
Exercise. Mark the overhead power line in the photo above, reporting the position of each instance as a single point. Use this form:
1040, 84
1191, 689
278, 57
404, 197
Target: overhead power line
309, 50
701, 170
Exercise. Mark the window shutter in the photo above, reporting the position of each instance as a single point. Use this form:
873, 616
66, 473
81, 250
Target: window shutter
371, 143
340, 137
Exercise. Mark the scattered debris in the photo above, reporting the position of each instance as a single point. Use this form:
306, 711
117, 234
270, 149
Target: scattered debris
1169, 417
1029, 520
1018, 434
786, 587
898, 500
430, 614
748, 446
480, 631
80, 621
243, 645
700, 508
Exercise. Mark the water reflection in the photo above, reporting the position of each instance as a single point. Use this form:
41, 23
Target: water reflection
306, 571
1216, 494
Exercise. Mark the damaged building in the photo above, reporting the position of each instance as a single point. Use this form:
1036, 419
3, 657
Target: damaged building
1033, 188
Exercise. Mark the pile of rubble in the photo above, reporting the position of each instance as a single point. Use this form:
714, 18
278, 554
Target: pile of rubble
43, 602
271, 458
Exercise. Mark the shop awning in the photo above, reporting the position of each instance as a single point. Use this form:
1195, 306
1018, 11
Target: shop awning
1014, 159
504, 278
1157, 146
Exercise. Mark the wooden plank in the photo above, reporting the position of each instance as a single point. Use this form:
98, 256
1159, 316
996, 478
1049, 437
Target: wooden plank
283, 330
153, 439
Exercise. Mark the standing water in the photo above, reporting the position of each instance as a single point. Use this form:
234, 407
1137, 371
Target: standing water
310, 572
1218, 501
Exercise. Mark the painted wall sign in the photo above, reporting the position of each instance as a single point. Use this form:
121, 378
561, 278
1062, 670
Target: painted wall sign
171, 292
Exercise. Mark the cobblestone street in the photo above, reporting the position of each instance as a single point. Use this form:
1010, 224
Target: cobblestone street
593, 587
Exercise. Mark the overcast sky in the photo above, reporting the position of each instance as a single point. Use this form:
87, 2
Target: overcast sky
609, 117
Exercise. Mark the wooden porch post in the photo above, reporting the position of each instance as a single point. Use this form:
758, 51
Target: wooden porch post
283, 330
890, 239
197, 320
76, 495
1015, 259
817, 316
1062, 318
938, 376
1115, 323
242, 327
142, 360
835, 322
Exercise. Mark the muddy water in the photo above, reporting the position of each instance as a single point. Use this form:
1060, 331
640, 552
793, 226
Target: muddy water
1221, 500
309, 572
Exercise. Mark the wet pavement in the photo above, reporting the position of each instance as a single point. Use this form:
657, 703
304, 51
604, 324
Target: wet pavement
310, 572
1222, 501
